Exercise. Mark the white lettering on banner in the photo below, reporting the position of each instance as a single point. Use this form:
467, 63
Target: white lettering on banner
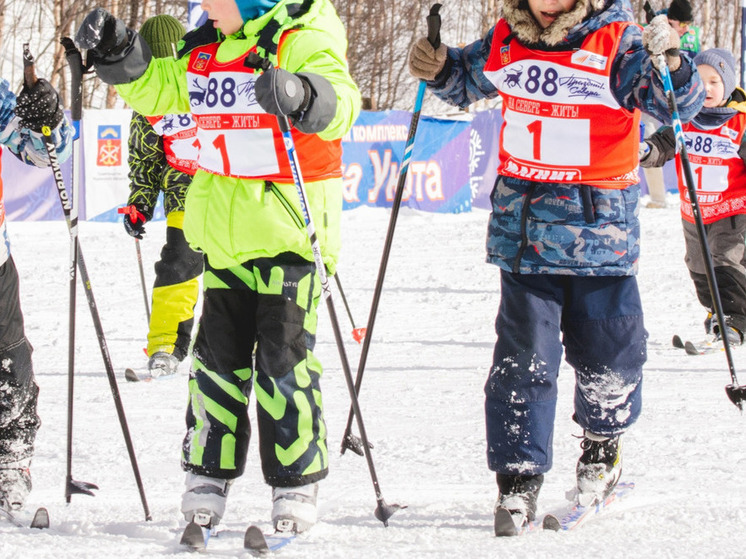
424, 178
380, 172
430, 172
352, 174
379, 133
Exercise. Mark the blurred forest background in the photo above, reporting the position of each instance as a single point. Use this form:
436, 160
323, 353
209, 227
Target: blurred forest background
379, 32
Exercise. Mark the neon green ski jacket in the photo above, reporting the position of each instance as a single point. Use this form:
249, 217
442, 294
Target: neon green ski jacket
233, 220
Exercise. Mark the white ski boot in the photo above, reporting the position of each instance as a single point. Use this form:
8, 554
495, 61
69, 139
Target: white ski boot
294, 508
204, 499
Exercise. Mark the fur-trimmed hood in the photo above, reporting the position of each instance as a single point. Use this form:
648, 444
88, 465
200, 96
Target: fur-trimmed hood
527, 30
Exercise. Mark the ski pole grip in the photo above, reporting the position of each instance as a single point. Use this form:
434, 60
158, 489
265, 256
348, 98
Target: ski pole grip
433, 26
29, 71
75, 61
649, 12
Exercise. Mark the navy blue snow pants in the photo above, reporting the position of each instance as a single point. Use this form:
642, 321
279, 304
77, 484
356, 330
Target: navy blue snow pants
599, 320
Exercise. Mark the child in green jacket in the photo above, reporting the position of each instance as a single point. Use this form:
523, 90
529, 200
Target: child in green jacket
242, 211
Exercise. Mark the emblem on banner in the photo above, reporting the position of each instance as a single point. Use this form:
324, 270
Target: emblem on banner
505, 54
109, 145
200, 63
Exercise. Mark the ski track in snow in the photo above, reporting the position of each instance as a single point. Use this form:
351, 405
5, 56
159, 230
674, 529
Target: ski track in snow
421, 399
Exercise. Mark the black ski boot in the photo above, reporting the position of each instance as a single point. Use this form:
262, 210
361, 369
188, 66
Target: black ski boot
516, 504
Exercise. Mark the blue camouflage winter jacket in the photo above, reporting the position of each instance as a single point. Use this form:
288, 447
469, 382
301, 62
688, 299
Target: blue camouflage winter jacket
571, 229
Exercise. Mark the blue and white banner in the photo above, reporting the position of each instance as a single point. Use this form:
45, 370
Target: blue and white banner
453, 166
105, 139
438, 177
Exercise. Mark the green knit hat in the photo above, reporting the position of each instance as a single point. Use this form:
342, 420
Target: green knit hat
160, 32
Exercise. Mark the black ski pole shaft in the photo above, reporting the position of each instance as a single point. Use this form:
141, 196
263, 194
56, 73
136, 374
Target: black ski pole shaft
67, 211
357, 333
142, 280
735, 392
71, 485
383, 510
75, 63
433, 35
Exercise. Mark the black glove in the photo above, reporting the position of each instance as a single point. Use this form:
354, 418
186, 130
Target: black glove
283, 93
39, 106
102, 34
134, 220
307, 99
119, 54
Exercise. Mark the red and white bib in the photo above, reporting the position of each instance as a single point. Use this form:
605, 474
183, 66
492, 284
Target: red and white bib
561, 122
236, 137
179, 133
718, 171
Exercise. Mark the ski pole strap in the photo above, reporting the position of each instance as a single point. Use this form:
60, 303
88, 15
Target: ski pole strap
133, 213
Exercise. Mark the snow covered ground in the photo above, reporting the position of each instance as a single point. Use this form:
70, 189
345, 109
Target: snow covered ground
422, 403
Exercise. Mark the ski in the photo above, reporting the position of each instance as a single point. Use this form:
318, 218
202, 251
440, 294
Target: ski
258, 542
509, 524
10, 517
195, 537
708, 345
132, 376
701, 349
578, 514
40, 520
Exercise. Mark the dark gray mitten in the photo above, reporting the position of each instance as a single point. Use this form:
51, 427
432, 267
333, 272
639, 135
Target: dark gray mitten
308, 100
119, 54
39, 106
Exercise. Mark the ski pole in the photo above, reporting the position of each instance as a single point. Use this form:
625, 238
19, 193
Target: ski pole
350, 441
357, 333
142, 280
736, 393
383, 510
73, 56
71, 486
132, 213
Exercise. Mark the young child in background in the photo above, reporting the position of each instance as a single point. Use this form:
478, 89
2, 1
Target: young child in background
163, 157
717, 154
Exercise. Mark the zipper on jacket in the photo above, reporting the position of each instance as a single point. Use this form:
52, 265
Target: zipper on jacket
589, 212
269, 186
524, 235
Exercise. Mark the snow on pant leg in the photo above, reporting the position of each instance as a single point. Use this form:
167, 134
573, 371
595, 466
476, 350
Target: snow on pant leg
218, 428
292, 432
725, 239
18, 390
521, 391
605, 341
175, 292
